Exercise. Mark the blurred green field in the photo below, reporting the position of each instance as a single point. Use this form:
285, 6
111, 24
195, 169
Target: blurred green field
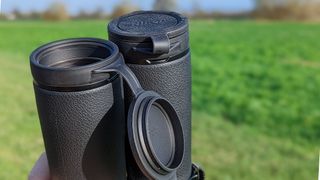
256, 100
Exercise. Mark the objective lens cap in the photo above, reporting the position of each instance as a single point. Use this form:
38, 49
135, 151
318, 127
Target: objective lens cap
149, 35
139, 25
155, 136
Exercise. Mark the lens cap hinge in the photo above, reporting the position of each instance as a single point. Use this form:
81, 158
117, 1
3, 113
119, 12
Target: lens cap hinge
160, 43
158, 47
197, 173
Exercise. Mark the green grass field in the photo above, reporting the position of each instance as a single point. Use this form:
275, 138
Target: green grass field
256, 99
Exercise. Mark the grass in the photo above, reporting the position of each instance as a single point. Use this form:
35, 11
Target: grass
255, 96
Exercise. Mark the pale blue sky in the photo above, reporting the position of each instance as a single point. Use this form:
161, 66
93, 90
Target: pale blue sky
74, 6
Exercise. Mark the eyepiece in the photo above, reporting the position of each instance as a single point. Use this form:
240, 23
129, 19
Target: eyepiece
73, 54
70, 62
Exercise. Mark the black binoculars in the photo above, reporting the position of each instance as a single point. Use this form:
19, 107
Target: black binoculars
118, 109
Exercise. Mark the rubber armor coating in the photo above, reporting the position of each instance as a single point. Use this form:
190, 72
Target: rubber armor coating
84, 132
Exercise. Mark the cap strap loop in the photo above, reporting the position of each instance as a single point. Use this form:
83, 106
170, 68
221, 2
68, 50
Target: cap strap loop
161, 43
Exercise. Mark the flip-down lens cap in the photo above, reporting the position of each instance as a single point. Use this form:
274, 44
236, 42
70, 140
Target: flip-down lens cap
155, 136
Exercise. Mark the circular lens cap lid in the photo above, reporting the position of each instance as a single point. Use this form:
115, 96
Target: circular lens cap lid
139, 25
155, 136
145, 37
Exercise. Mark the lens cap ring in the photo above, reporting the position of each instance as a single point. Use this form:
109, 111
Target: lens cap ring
155, 136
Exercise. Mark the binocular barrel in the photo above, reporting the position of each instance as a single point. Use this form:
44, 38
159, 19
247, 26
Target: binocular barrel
81, 116
155, 46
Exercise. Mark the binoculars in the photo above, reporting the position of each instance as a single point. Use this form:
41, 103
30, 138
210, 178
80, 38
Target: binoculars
118, 108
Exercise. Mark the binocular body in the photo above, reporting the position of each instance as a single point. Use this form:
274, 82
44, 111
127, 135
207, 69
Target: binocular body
120, 109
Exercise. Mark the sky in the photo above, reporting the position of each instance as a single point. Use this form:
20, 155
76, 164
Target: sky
74, 6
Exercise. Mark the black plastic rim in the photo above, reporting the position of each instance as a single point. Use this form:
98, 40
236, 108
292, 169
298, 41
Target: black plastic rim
144, 152
64, 63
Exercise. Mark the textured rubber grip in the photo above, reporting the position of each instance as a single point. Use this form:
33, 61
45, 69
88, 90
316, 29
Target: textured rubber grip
84, 132
172, 80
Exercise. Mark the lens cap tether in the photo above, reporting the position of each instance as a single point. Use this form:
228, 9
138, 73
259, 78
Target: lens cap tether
154, 130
